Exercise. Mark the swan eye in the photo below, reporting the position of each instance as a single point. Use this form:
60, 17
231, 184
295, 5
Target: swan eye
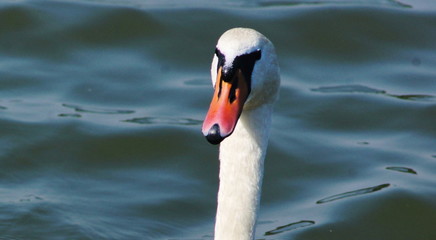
243, 63
247, 60
256, 55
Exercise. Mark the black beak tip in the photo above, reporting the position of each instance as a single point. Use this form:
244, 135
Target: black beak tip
214, 136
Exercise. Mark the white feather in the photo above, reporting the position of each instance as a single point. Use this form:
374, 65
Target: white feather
242, 154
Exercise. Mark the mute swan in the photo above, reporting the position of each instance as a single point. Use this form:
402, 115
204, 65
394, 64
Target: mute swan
245, 75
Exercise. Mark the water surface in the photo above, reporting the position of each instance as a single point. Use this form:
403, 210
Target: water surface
101, 105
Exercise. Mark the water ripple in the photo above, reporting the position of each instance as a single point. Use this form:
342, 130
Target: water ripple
73, 115
414, 97
260, 3
31, 198
402, 169
289, 227
393, 3
162, 120
353, 193
97, 110
354, 88
364, 89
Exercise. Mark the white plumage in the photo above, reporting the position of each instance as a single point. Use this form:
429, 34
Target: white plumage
242, 152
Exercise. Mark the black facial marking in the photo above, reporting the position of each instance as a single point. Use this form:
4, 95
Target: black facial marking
221, 61
244, 63
221, 58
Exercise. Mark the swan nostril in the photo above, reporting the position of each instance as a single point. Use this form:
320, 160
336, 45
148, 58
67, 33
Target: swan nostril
214, 135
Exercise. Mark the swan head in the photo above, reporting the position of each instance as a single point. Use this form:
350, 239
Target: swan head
245, 75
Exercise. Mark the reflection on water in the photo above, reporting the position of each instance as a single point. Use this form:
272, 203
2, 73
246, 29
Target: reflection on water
391, 3
402, 169
369, 90
289, 227
353, 193
162, 120
414, 97
97, 110
348, 89
73, 115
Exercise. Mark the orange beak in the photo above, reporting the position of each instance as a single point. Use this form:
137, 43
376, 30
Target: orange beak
226, 107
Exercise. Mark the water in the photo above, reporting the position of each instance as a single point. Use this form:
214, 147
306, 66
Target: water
101, 104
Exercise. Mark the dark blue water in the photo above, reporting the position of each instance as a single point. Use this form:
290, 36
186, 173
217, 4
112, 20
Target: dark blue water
101, 105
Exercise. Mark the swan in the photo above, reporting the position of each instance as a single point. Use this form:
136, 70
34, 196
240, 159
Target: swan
245, 76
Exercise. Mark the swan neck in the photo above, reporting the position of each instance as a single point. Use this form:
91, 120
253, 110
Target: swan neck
241, 171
